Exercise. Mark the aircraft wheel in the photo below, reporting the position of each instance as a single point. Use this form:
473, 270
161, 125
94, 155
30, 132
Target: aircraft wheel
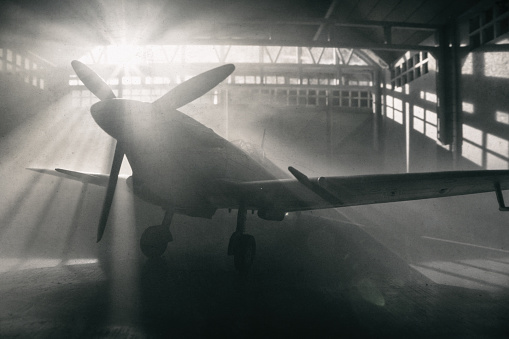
154, 241
245, 253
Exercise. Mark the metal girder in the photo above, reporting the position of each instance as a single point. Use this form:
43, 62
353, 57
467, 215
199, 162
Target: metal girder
327, 16
331, 22
491, 48
272, 33
303, 43
298, 87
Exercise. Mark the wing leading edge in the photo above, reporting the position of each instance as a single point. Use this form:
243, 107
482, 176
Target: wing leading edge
326, 192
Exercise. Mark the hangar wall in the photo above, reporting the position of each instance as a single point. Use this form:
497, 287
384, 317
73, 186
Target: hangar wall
483, 87
485, 109
482, 122
25, 87
411, 124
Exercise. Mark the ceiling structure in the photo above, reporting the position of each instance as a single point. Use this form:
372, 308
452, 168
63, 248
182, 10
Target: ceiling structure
58, 29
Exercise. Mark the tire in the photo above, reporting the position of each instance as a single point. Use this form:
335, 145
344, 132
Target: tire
154, 241
246, 251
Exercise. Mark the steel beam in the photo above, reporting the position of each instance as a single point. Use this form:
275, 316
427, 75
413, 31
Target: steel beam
326, 21
304, 43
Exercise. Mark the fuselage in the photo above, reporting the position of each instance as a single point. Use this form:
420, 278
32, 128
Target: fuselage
176, 161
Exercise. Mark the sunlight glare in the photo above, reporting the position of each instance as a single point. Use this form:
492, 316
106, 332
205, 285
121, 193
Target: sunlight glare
124, 54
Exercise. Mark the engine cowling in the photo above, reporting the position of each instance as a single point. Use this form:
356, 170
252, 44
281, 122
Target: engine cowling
271, 214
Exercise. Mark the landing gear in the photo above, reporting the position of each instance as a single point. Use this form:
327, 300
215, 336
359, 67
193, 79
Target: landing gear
242, 246
154, 239
246, 251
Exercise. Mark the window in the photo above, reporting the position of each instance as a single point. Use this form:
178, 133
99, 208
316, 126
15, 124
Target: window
335, 98
322, 98
407, 70
489, 25
364, 99
292, 98
302, 98
271, 80
312, 98
425, 68
345, 99
250, 80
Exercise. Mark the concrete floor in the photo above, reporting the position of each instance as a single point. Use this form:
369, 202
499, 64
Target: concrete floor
438, 268
312, 276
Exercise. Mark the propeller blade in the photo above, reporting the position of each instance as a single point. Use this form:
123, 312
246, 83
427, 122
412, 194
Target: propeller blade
110, 192
194, 87
92, 81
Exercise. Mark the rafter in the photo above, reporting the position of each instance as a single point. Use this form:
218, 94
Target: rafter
327, 16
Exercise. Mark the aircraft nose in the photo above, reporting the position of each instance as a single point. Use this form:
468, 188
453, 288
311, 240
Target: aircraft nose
106, 116
97, 110
118, 117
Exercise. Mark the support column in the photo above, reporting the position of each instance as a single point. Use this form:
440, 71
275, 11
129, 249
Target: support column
448, 90
226, 106
329, 126
120, 84
377, 119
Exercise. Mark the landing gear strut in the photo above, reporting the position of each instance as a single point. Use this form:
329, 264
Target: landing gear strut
242, 246
154, 239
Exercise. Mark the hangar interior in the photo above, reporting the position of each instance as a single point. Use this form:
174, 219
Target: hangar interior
337, 87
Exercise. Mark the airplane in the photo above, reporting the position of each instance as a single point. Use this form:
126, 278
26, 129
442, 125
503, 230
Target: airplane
186, 168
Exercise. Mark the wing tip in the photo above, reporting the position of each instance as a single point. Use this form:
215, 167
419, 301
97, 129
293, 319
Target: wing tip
76, 65
296, 173
230, 67
38, 170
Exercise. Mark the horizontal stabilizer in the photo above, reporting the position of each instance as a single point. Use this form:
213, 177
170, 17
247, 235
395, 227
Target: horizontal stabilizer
87, 178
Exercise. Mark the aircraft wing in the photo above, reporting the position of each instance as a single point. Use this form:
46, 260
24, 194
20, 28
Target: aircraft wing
87, 178
325, 192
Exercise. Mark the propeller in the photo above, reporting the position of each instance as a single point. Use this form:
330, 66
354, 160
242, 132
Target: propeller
194, 87
175, 98
92, 81
110, 191
100, 88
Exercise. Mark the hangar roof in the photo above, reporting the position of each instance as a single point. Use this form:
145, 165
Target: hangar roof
55, 28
